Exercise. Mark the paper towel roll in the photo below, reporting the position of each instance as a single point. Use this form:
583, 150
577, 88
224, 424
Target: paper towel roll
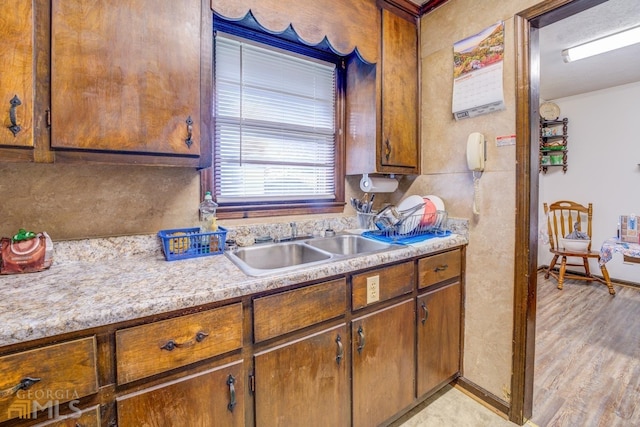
378, 185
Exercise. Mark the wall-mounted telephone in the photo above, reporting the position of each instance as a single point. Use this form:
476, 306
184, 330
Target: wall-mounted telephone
476, 156
476, 152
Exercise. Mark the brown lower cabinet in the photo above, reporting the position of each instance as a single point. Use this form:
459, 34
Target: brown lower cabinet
438, 335
383, 363
214, 397
305, 382
358, 350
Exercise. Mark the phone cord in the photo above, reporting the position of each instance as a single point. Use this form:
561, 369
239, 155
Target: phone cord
476, 192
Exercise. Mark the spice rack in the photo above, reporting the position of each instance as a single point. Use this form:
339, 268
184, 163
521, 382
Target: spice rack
553, 144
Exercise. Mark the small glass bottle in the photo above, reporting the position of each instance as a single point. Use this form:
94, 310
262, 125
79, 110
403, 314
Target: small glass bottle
208, 242
208, 214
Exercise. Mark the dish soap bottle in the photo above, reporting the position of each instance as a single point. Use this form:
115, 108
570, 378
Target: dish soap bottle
208, 241
208, 214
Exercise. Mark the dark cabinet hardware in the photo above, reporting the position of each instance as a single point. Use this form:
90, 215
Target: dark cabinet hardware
189, 141
172, 344
426, 313
15, 127
361, 340
232, 393
340, 353
441, 267
24, 384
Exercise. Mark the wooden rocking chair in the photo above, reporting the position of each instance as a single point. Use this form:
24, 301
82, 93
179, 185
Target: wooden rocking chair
562, 218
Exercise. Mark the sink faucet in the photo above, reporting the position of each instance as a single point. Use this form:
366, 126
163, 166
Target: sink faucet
294, 230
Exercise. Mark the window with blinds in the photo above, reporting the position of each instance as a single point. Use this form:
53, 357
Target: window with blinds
274, 116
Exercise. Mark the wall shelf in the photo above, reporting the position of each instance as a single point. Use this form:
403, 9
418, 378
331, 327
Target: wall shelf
553, 144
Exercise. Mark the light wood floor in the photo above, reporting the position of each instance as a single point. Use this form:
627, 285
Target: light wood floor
587, 364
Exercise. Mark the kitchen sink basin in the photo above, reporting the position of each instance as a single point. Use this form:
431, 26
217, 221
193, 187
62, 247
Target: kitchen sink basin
349, 244
270, 258
276, 257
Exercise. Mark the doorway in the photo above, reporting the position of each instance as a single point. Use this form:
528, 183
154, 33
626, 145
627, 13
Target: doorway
526, 26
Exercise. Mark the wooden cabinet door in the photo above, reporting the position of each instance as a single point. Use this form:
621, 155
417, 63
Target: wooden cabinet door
439, 337
305, 382
125, 76
16, 73
399, 141
211, 398
383, 363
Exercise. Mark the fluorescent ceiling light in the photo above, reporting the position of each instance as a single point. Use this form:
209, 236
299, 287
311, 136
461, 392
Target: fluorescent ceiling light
605, 44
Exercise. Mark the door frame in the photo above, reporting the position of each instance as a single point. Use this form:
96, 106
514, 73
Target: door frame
527, 52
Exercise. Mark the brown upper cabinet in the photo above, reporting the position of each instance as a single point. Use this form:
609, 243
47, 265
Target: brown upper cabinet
398, 150
16, 77
126, 79
382, 103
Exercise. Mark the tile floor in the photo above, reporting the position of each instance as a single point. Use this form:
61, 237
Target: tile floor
452, 408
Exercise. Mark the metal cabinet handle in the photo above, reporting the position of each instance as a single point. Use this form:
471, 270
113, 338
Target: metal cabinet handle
172, 344
387, 149
440, 268
189, 141
361, 340
15, 127
426, 313
24, 384
340, 353
232, 393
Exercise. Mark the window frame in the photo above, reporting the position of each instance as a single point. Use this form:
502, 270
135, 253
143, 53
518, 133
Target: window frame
288, 40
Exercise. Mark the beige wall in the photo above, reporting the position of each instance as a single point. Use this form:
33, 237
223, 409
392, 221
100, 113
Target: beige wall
490, 254
79, 201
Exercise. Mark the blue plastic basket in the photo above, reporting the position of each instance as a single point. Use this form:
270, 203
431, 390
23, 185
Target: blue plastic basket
183, 243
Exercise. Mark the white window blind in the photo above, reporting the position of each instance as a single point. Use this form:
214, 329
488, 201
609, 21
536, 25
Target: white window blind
274, 124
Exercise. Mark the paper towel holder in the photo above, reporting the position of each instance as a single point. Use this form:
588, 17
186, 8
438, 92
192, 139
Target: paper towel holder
378, 184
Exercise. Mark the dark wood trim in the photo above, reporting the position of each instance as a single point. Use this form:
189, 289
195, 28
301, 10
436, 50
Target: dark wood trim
563, 11
526, 244
206, 85
526, 225
430, 5
482, 394
404, 8
258, 211
42, 97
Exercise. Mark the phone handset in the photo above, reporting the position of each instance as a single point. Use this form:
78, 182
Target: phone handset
476, 156
476, 152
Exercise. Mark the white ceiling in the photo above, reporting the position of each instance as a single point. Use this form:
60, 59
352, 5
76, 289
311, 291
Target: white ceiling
559, 79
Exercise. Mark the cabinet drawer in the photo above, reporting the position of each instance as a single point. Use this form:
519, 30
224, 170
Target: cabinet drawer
147, 350
66, 372
289, 311
392, 281
439, 268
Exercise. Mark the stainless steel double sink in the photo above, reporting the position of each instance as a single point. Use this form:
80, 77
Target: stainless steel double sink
269, 258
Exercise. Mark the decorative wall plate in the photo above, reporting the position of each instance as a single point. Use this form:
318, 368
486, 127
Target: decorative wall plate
549, 111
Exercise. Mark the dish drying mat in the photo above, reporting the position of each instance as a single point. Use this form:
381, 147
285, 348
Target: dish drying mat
403, 239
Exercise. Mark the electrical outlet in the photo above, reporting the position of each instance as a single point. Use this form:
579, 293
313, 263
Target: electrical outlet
373, 289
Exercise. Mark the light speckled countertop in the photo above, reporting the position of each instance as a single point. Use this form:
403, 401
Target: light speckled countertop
124, 278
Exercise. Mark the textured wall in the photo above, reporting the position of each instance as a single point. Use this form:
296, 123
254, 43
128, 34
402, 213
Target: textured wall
79, 201
490, 255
